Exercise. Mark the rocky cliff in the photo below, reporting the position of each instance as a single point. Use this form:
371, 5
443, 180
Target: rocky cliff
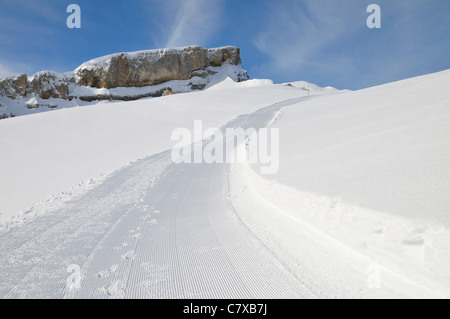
14, 86
125, 76
147, 68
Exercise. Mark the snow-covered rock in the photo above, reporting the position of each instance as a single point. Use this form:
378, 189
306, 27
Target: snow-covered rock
47, 84
152, 67
14, 86
122, 77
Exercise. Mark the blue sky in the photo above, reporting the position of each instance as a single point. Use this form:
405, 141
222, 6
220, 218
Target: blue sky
326, 42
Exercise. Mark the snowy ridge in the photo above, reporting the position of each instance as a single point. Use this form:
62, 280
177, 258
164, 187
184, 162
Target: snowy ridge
85, 95
313, 88
154, 54
124, 76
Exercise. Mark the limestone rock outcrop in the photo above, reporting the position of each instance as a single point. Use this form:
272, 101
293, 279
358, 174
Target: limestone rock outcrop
48, 84
14, 86
124, 76
147, 68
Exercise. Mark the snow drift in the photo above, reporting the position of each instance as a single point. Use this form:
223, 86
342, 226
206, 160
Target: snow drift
369, 170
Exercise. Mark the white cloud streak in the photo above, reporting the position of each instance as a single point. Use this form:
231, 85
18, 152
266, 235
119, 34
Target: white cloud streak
188, 22
330, 40
298, 30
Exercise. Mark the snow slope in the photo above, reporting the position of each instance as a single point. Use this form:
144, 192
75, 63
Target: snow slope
369, 170
358, 209
47, 154
151, 230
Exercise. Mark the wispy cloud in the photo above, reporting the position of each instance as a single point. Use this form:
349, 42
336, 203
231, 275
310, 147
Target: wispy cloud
297, 31
27, 27
186, 22
42, 9
329, 41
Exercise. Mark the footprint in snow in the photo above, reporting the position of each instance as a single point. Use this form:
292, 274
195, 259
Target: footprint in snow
129, 255
112, 269
378, 231
144, 208
115, 290
137, 236
122, 246
415, 237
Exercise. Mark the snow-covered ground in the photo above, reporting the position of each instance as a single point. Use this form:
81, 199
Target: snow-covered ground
358, 209
45, 154
369, 170
151, 229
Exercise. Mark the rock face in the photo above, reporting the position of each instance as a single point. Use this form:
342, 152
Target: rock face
124, 76
14, 86
48, 84
147, 68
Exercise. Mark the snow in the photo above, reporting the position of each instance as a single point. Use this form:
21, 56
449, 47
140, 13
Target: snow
384, 148
313, 88
358, 209
370, 170
44, 154
229, 83
58, 76
10, 77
